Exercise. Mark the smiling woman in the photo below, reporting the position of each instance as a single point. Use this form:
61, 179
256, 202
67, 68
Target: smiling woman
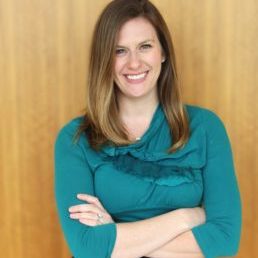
102, 91
138, 60
142, 174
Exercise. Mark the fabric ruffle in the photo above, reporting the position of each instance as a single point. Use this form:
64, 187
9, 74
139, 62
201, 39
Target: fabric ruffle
156, 166
155, 173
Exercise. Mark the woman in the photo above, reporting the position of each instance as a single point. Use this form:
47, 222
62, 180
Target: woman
141, 174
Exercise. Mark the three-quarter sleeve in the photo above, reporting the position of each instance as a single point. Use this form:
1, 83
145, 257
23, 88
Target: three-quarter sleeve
73, 176
220, 235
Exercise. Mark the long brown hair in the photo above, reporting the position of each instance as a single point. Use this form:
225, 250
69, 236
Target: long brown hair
101, 121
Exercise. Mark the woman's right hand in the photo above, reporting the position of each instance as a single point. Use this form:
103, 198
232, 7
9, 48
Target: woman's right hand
194, 216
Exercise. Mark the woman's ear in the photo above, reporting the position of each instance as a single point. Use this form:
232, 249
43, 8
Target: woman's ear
163, 55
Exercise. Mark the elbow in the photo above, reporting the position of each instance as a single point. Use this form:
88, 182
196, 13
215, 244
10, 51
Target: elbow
231, 243
93, 241
233, 247
219, 239
233, 239
231, 251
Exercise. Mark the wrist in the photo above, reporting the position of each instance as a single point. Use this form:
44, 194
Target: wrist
193, 217
183, 219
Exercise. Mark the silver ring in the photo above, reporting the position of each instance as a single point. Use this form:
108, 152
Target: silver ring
100, 218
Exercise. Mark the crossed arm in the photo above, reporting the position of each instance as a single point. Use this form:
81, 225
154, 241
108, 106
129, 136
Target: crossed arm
165, 236
183, 246
154, 237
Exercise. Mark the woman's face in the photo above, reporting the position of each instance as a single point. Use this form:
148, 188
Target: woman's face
138, 59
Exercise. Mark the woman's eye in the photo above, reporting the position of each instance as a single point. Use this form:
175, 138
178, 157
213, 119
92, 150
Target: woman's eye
146, 46
120, 51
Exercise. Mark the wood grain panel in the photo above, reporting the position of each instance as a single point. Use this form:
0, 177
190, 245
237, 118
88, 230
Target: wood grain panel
44, 49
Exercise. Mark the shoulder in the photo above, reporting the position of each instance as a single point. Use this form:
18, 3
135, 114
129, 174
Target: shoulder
200, 112
204, 116
207, 120
72, 126
68, 132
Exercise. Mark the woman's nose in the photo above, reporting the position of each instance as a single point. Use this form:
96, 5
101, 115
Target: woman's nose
134, 61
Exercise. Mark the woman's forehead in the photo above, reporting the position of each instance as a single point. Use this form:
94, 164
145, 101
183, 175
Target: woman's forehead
136, 30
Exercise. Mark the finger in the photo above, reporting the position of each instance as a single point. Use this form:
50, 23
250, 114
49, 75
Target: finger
87, 222
90, 199
85, 208
87, 215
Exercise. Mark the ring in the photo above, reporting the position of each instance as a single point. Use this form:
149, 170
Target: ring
100, 218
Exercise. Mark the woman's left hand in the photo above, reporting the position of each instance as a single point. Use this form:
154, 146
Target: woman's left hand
92, 213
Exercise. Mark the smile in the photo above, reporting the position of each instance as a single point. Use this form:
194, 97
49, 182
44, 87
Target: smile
136, 77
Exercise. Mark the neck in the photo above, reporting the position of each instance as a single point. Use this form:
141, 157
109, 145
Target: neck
137, 108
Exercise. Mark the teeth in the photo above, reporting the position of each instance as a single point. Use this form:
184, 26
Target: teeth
136, 77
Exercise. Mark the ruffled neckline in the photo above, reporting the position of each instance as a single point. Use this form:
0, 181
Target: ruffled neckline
159, 166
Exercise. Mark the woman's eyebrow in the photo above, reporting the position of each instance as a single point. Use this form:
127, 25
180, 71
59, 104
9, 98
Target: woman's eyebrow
142, 42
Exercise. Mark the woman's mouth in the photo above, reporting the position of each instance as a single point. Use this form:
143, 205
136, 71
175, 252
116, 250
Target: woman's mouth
136, 78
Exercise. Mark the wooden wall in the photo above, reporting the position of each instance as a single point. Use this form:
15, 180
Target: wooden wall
43, 56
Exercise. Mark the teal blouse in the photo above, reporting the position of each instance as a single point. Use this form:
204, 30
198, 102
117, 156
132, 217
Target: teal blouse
142, 180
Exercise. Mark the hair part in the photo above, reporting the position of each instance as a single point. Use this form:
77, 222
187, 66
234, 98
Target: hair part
101, 121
